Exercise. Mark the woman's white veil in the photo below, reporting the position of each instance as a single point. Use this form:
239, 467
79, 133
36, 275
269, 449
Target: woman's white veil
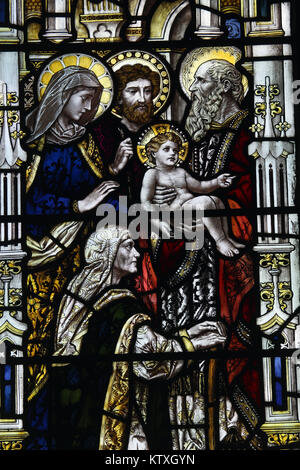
73, 315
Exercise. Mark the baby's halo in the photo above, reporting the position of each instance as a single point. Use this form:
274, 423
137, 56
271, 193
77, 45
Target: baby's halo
161, 128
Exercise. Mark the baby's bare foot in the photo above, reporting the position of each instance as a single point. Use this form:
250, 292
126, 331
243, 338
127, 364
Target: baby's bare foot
235, 243
226, 248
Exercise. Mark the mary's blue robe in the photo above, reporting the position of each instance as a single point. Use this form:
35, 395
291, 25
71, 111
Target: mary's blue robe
63, 176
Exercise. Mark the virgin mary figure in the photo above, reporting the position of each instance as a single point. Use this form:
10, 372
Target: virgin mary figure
64, 180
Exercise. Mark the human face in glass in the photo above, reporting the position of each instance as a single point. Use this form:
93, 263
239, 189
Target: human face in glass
167, 154
137, 94
126, 258
203, 84
79, 103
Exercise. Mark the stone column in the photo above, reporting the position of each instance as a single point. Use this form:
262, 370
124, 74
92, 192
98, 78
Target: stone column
12, 326
207, 22
57, 28
273, 149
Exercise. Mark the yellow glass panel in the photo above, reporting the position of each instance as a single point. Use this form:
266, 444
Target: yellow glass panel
98, 69
56, 66
105, 97
70, 60
46, 78
100, 110
85, 62
105, 82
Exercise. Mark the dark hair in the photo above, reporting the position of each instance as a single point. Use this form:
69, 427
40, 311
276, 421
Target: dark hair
129, 73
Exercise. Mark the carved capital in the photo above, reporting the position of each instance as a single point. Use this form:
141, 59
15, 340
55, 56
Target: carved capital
283, 439
284, 292
10, 267
12, 440
274, 260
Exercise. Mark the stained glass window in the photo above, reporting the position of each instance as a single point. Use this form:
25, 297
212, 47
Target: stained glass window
149, 233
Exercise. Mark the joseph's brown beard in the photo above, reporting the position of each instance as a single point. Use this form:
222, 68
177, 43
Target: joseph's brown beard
202, 112
137, 113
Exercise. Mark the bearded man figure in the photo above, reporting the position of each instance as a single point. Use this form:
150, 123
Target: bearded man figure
201, 285
217, 91
137, 87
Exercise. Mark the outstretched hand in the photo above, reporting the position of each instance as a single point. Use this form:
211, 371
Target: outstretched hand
93, 199
207, 334
225, 180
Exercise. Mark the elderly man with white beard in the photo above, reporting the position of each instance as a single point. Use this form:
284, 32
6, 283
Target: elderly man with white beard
219, 131
202, 285
217, 91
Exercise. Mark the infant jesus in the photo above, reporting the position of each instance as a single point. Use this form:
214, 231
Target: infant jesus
163, 150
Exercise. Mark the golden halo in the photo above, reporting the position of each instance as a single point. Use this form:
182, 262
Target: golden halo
132, 57
161, 128
200, 55
88, 62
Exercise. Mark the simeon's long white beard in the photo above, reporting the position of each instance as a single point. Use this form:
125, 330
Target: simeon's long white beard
202, 112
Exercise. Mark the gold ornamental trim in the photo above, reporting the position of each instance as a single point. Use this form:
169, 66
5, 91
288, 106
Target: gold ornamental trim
230, 6
12, 440
93, 18
102, 39
91, 154
8, 327
283, 439
275, 33
134, 31
283, 427
13, 435
31, 171
282, 434
276, 320
116, 405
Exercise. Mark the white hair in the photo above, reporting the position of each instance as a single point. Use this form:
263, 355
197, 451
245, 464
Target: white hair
221, 70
